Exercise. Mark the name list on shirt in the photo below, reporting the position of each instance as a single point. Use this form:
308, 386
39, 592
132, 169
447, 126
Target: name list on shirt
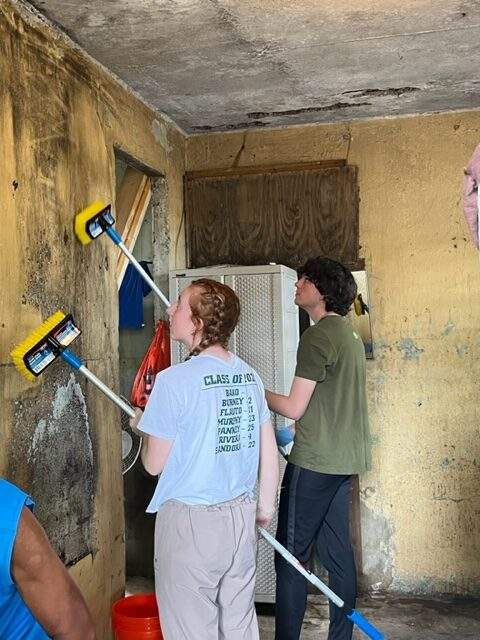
236, 416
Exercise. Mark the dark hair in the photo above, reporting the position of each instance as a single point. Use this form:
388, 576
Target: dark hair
218, 307
334, 281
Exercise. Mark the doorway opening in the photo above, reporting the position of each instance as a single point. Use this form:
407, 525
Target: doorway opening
142, 220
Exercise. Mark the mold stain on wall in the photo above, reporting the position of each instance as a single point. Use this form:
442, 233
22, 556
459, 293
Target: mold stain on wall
57, 445
409, 349
378, 550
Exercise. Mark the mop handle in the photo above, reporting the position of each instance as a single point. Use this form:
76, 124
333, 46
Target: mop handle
305, 573
117, 238
354, 615
75, 362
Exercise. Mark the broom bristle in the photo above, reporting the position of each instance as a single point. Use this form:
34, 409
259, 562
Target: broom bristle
84, 217
35, 337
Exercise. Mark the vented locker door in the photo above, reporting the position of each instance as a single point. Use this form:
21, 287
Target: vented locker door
290, 331
258, 341
259, 327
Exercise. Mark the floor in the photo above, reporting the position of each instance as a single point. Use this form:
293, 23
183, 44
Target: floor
399, 618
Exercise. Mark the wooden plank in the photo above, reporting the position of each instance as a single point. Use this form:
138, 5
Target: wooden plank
270, 168
133, 199
281, 217
128, 195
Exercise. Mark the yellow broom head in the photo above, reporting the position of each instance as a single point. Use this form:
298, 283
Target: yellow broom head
86, 221
36, 340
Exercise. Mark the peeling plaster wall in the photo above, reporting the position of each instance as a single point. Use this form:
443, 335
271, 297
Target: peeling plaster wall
64, 477
61, 116
421, 501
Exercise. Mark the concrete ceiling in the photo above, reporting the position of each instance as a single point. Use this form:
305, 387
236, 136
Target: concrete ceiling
232, 64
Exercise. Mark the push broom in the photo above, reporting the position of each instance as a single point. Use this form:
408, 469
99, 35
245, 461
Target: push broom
96, 219
49, 341
353, 615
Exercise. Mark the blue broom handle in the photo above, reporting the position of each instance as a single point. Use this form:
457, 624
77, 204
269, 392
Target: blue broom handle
124, 406
307, 574
363, 624
143, 273
74, 361
354, 616
117, 238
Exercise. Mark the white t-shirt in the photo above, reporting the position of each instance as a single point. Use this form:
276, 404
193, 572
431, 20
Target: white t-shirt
212, 410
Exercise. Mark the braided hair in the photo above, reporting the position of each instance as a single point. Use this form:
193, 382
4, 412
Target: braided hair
216, 306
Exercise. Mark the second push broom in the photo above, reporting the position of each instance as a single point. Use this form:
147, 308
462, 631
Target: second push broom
48, 342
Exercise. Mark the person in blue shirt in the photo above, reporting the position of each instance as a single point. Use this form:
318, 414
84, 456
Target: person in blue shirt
38, 598
207, 430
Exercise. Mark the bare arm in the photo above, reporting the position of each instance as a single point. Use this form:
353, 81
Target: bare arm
268, 475
45, 585
295, 404
154, 453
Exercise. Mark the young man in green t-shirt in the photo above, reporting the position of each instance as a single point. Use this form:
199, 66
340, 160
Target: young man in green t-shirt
328, 402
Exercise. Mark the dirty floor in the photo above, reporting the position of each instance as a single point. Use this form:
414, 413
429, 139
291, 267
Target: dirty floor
399, 618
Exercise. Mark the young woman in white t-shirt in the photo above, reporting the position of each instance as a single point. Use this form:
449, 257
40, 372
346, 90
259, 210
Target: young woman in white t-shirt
207, 431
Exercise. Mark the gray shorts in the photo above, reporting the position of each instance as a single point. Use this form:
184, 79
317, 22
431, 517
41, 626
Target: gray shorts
205, 559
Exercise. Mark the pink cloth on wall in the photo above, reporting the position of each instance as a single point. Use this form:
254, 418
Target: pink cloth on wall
470, 194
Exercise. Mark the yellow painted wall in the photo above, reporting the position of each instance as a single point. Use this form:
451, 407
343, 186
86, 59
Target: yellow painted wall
60, 118
421, 501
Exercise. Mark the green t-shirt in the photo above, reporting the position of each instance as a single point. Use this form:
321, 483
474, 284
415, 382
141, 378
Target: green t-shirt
333, 434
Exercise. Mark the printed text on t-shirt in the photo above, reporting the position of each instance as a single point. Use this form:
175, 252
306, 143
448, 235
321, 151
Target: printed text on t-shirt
236, 417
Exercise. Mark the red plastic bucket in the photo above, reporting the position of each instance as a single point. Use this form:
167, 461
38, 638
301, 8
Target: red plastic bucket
136, 618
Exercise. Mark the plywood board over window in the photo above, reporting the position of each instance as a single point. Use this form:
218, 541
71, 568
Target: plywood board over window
282, 216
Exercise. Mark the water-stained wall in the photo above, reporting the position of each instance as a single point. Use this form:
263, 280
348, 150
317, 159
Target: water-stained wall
421, 501
61, 116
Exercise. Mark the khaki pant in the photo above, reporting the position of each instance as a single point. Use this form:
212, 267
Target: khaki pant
205, 561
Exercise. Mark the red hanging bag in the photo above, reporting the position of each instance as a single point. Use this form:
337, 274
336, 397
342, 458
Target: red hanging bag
156, 359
